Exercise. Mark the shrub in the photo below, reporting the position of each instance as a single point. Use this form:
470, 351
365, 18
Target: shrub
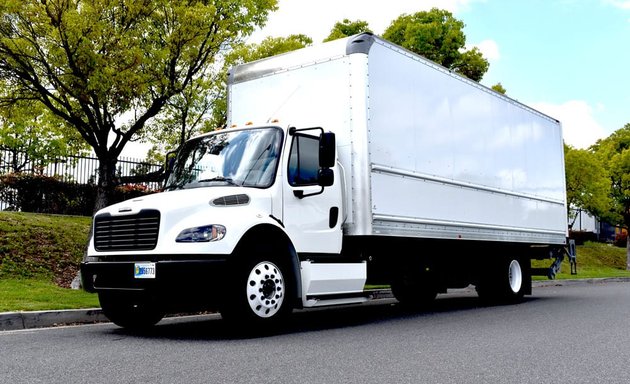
621, 239
52, 195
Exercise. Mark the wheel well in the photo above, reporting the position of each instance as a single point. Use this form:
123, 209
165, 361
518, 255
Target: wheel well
276, 240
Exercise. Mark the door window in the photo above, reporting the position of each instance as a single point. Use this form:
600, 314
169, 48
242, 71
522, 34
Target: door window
304, 160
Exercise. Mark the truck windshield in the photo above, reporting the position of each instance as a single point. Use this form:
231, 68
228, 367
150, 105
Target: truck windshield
243, 158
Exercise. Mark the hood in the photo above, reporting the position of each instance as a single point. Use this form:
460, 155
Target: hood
235, 208
186, 200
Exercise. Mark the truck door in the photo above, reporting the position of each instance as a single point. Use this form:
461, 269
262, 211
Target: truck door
312, 213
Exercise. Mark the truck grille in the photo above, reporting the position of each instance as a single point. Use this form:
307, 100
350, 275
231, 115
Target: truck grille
127, 233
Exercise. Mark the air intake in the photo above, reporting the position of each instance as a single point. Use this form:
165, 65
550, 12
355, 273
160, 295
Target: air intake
240, 199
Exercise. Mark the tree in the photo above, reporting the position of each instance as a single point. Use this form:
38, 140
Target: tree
108, 67
347, 28
499, 88
33, 137
614, 152
439, 37
184, 116
587, 183
203, 107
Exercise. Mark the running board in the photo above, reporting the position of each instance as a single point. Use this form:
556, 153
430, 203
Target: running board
329, 300
333, 283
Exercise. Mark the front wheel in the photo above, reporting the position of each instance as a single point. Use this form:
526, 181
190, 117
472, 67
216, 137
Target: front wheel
266, 290
259, 293
136, 312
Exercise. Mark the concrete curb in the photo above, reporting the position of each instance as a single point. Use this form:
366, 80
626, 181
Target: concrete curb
43, 319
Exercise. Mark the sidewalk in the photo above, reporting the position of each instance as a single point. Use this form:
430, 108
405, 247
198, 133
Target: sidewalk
43, 319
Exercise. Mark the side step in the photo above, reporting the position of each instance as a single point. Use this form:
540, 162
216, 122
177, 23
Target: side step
558, 255
333, 283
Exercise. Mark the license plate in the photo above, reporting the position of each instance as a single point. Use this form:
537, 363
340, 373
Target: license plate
144, 271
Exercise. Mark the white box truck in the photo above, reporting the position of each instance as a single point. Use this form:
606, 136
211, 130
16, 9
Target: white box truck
346, 165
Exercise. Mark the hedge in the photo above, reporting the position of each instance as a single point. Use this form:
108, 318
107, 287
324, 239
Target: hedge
45, 194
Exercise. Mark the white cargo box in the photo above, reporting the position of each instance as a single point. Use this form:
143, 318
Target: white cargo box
423, 152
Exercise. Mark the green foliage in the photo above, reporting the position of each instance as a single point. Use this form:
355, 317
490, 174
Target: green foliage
614, 152
203, 106
438, 36
35, 137
587, 182
107, 67
347, 28
184, 116
270, 46
499, 88
471, 64
44, 194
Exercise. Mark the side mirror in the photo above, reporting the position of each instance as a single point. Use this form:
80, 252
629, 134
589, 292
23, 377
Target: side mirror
169, 161
327, 148
325, 177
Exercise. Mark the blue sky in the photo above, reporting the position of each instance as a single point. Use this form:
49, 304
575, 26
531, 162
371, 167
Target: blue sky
567, 58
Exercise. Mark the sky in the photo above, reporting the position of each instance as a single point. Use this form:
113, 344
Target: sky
569, 59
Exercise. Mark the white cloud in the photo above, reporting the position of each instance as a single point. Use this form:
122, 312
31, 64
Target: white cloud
316, 18
489, 48
623, 4
579, 127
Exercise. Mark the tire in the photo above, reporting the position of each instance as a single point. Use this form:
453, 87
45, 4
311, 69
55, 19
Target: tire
515, 280
412, 293
138, 312
260, 293
506, 282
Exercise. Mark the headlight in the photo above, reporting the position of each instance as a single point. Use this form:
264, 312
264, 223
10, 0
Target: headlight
205, 233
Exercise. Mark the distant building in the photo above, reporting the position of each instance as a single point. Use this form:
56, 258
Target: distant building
586, 224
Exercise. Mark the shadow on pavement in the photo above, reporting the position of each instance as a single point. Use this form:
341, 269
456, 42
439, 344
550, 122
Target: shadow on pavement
213, 327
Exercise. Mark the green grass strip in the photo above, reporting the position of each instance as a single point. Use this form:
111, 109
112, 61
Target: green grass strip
40, 294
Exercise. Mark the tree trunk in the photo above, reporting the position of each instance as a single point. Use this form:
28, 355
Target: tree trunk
106, 183
628, 252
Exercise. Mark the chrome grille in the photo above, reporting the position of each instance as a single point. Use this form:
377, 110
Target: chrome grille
127, 233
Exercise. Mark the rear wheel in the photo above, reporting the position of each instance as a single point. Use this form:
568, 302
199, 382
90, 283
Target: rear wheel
514, 279
506, 281
413, 292
133, 312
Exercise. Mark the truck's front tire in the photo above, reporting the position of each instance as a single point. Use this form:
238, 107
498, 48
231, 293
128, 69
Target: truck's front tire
266, 289
259, 292
133, 312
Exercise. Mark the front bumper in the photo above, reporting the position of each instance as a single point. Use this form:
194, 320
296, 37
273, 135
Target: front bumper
193, 280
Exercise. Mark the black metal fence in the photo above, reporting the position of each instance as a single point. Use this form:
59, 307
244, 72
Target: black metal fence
72, 169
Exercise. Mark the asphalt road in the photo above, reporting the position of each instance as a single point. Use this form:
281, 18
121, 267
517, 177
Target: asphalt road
577, 333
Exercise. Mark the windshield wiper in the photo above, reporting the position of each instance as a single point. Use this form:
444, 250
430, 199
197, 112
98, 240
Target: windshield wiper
220, 178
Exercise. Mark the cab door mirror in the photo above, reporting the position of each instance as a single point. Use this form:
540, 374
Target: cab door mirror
169, 161
327, 148
325, 177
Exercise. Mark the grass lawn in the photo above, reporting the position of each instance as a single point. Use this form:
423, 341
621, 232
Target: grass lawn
39, 294
594, 260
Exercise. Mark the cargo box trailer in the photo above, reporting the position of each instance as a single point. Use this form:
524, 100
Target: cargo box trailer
345, 165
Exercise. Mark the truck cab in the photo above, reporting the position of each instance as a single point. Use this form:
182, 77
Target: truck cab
237, 203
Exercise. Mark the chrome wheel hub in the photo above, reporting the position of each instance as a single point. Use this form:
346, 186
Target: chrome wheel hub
265, 289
